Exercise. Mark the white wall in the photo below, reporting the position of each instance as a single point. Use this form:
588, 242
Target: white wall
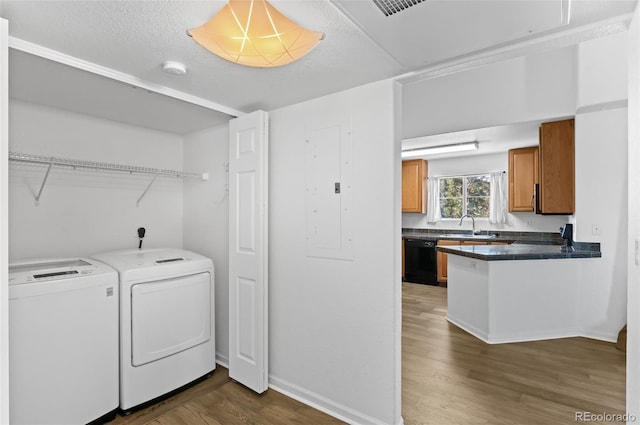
334, 324
602, 70
601, 180
527, 88
601, 200
633, 243
206, 217
479, 164
84, 212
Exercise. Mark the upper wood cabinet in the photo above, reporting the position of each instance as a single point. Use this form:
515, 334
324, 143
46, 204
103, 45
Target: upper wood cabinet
523, 176
414, 186
557, 168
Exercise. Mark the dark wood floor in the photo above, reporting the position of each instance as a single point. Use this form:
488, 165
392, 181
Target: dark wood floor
448, 377
451, 377
220, 401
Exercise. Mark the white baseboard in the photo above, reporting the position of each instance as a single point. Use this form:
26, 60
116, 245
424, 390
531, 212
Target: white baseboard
520, 337
314, 400
535, 336
330, 407
222, 360
478, 333
602, 336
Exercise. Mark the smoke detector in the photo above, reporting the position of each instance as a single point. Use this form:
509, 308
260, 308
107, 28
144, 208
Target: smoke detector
174, 68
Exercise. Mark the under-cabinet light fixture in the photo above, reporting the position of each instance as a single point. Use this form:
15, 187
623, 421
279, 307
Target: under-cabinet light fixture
433, 150
254, 33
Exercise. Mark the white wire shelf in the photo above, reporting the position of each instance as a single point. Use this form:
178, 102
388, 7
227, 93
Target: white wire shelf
78, 163
52, 161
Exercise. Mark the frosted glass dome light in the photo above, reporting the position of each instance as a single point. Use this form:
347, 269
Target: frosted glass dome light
254, 33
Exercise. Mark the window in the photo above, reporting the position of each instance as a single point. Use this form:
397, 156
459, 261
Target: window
460, 195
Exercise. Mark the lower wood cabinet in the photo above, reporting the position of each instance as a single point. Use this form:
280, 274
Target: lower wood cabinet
442, 257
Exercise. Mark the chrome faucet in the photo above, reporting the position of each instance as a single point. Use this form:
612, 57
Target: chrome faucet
473, 224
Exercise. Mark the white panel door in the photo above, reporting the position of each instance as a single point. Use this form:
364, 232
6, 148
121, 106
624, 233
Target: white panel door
4, 220
248, 184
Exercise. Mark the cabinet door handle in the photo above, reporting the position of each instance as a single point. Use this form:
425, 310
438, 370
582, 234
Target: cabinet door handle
533, 196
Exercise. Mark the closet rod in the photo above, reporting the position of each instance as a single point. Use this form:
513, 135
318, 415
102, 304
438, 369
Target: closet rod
77, 163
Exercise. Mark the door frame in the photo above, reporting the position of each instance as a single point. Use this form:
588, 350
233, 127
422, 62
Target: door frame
4, 224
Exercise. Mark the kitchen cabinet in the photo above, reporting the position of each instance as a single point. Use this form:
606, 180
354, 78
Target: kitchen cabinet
523, 176
414, 186
556, 172
442, 257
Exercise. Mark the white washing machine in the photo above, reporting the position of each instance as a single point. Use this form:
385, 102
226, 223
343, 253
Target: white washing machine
63, 342
167, 326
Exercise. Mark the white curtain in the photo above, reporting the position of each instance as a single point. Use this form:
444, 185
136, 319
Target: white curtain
433, 200
498, 199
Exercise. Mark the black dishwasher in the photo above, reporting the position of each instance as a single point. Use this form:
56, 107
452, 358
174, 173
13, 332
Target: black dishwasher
420, 264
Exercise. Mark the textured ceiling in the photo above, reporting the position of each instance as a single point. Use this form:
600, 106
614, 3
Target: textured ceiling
135, 37
361, 45
460, 27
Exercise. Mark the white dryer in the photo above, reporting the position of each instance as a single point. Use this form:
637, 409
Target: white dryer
167, 337
63, 342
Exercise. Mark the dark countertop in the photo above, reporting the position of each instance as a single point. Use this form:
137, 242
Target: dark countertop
523, 245
484, 236
523, 251
459, 237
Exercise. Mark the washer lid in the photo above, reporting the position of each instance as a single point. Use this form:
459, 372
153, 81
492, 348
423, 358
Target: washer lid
55, 269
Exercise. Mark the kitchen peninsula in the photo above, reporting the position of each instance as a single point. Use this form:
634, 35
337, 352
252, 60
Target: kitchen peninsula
518, 292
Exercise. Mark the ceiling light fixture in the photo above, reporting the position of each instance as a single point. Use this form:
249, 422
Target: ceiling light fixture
174, 68
433, 150
254, 33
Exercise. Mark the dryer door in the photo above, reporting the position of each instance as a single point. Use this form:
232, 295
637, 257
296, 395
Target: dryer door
169, 316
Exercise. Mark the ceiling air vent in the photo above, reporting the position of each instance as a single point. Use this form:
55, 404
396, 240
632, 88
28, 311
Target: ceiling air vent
389, 7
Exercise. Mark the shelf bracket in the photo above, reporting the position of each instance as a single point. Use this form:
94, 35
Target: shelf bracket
146, 190
44, 181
